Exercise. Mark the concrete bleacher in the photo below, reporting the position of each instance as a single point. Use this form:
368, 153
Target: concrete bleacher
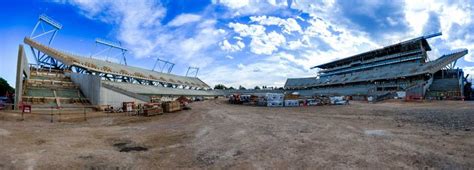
383, 73
101, 66
149, 90
451, 84
51, 89
348, 90
444, 88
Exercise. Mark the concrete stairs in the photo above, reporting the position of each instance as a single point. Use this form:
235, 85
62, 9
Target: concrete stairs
46, 89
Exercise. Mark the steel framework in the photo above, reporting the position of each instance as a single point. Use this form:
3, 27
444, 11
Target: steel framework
192, 70
163, 65
43, 59
108, 47
46, 61
120, 78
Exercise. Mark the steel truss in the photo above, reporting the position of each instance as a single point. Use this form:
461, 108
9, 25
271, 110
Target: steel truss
108, 47
120, 78
42, 59
163, 65
45, 61
192, 70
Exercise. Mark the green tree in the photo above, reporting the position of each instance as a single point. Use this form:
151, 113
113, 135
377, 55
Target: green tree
242, 87
256, 88
5, 87
231, 88
220, 86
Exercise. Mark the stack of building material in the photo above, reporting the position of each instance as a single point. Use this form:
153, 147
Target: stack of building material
292, 103
312, 102
235, 99
184, 100
261, 101
128, 106
338, 100
151, 109
292, 96
171, 106
323, 100
274, 99
245, 98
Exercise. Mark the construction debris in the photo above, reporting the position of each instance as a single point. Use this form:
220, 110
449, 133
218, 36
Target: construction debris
171, 106
151, 109
288, 100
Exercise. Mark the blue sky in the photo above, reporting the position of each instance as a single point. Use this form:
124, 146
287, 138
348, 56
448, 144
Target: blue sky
240, 42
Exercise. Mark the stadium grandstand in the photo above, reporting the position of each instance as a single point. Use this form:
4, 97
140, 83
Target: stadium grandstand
402, 68
62, 79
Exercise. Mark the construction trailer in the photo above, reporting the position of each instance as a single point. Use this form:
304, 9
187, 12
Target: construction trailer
381, 73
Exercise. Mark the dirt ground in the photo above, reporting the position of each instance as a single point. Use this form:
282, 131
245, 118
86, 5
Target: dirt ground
218, 135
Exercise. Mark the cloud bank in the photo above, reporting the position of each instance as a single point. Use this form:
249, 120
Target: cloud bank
262, 42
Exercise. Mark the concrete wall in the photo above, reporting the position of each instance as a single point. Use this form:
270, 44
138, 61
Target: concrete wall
114, 98
89, 84
22, 73
99, 93
125, 92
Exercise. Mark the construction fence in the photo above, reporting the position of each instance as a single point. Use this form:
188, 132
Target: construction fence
54, 114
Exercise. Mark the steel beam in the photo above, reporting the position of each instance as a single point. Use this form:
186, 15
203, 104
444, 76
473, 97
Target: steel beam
109, 46
194, 70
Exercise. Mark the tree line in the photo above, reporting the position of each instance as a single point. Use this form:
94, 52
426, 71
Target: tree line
223, 87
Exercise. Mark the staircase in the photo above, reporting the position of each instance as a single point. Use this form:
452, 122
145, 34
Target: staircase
52, 88
381, 96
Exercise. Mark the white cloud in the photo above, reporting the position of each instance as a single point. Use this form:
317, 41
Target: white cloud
233, 3
289, 25
247, 30
238, 38
302, 43
343, 41
280, 3
392, 21
454, 21
140, 29
240, 66
269, 72
322, 8
470, 71
261, 42
320, 42
266, 43
249, 7
133, 20
227, 46
184, 19
270, 55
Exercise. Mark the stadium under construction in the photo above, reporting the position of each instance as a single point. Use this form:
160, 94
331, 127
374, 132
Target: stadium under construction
64, 79
399, 70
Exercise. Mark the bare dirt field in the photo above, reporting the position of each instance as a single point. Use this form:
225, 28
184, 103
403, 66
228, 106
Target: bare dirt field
218, 135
